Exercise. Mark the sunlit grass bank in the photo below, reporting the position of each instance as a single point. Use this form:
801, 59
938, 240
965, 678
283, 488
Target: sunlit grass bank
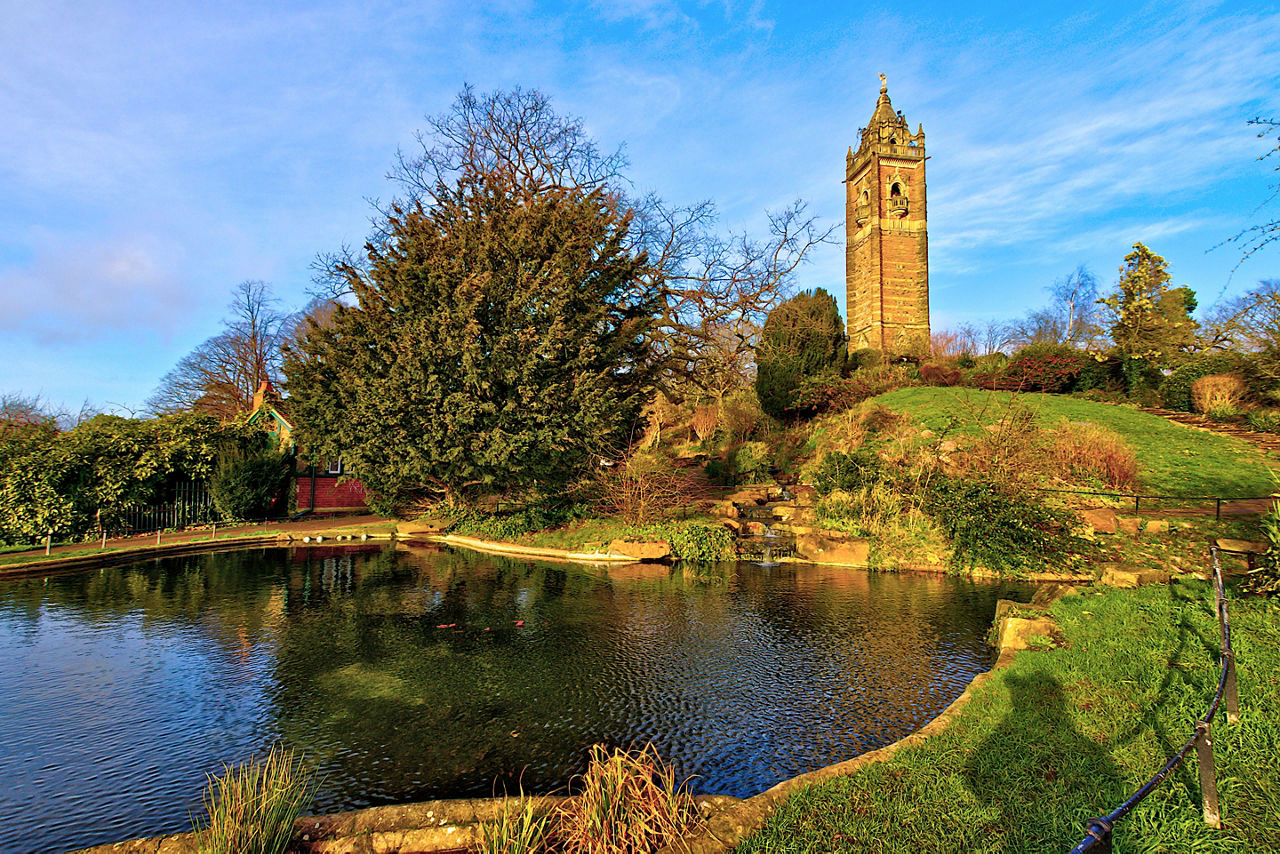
1173, 459
1066, 734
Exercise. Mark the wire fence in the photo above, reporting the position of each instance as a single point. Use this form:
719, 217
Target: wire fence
1098, 831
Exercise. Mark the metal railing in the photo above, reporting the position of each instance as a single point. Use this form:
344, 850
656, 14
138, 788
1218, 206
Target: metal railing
1098, 831
1138, 498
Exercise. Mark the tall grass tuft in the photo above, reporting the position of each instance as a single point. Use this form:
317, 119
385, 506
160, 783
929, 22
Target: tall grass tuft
1087, 449
252, 807
629, 804
521, 830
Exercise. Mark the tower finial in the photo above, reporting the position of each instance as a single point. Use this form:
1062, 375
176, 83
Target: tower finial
884, 84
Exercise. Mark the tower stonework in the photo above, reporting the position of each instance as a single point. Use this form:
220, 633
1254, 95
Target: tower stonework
886, 240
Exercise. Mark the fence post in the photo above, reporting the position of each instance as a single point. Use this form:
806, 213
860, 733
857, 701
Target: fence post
1208, 776
104, 538
215, 531
158, 531
1137, 499
48, 540
1217, 512
1232, 693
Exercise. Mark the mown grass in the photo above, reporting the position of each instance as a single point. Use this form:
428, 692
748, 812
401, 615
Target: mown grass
1173, 459
1065, 734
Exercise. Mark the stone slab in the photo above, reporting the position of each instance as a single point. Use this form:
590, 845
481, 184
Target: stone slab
1117, 577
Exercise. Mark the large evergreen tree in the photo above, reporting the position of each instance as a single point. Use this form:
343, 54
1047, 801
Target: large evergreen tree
803, 337
496, 344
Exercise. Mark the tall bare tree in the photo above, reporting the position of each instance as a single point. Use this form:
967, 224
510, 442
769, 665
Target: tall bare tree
221, 375
1071, 317
1254, 238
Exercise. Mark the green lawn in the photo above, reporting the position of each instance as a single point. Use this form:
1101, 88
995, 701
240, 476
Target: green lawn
1066, 734
1173, 459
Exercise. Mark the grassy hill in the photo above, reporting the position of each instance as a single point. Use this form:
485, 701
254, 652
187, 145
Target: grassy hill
1173, 459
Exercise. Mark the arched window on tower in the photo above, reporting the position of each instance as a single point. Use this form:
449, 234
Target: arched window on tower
897, 200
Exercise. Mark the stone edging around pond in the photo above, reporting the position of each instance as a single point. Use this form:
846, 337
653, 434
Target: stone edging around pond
111, 557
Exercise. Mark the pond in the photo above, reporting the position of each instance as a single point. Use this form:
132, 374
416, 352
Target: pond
412, 674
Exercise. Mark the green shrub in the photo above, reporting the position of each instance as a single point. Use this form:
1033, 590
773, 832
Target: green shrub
803, 337
252, 807
1264, 421
1003, 531
249, 484
698, 542
1175, 389
1100, 372
847, 472
748, 463
865, 357
471, 522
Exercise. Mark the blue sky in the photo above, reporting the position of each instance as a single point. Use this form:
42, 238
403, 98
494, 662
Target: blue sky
153, 155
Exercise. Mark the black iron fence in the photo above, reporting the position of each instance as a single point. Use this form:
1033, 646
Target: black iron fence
1138, 498
1098, 831
192, 504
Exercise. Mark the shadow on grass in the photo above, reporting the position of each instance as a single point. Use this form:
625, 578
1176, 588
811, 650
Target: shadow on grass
1034, 763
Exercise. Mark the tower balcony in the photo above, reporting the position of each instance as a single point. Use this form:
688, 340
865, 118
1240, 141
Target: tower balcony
862, 213
898, 206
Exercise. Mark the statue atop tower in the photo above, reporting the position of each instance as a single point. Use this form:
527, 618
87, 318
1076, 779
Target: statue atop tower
886, 239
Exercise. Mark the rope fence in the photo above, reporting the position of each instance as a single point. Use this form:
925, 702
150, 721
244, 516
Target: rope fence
1098, 831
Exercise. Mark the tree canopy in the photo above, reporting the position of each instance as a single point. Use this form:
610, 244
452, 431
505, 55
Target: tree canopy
802, 338
496, 344
1148, 319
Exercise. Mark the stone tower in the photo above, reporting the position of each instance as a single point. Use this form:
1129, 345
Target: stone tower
886, 241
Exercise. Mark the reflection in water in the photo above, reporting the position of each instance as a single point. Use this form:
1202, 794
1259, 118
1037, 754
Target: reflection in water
422, 673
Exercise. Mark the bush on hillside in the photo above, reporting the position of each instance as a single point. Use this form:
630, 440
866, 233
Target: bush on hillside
1217, 394
1051, 368
1000, 529
847, 472
940, 375
1175, 389
803, 337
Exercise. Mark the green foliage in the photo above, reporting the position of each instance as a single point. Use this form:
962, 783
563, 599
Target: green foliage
1100, 372
1263, 421
521, 829
803, 337
249, 483
847, 472
1175, 389
833, 393
1149, 320
865, 357
497, 344
252, 807
697, 542
991, 526
1266, 580
471, 522
62, 481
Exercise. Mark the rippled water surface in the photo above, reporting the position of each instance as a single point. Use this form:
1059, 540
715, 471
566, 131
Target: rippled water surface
405, 675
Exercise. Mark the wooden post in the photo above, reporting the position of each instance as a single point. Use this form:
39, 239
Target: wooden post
104, 539
48, 540
215, 531
158, 530
1217, 513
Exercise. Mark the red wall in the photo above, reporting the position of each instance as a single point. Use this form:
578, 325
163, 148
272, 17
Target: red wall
331, 494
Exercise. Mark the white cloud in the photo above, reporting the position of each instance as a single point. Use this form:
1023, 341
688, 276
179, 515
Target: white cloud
88, 290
